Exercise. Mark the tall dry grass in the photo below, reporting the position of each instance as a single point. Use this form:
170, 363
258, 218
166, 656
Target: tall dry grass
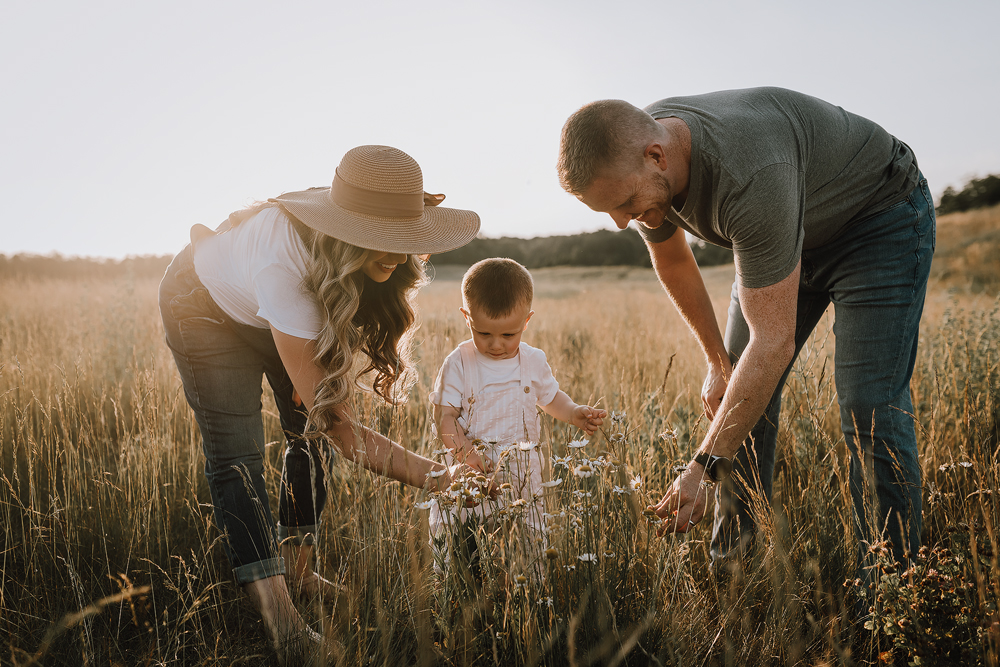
111, 556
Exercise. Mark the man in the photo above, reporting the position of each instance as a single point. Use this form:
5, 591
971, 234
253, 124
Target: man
819, 205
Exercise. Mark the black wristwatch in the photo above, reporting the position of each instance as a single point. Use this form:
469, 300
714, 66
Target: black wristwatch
717, 468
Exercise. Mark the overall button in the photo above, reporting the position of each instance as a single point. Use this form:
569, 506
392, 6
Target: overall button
527, 389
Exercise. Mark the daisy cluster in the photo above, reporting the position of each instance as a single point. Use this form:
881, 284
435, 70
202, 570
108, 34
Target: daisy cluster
588, 493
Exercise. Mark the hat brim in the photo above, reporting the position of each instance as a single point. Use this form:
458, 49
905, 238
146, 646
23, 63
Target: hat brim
438, 230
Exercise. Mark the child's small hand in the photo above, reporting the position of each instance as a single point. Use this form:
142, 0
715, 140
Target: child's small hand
470, 457
589, 419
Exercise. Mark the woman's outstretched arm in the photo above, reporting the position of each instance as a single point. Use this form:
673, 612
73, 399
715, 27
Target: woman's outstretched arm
357, 443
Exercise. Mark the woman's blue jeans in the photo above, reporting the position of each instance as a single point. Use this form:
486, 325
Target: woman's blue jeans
221, 363
875, 274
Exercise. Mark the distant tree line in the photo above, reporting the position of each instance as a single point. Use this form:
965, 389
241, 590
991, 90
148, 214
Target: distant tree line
602, 248
977, 193
79, 268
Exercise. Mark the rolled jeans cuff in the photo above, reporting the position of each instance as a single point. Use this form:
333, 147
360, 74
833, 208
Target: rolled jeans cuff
262, 569
298, 535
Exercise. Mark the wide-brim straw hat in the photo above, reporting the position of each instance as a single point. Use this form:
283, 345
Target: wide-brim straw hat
377, 201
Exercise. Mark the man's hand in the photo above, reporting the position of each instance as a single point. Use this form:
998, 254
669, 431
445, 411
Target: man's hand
684, 504
714, 388
587, 418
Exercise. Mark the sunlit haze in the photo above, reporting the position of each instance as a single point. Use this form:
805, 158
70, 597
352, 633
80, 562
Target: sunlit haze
124, 123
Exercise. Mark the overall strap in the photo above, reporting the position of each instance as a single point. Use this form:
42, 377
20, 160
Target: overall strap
523, 368
470, 369
529, 398
470, 378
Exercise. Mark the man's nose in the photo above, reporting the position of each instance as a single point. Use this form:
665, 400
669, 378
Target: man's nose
621, 219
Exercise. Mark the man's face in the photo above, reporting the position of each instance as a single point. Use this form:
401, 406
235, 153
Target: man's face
642, 195
497, 337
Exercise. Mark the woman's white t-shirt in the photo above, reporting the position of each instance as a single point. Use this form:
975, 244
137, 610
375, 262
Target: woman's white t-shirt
255, 273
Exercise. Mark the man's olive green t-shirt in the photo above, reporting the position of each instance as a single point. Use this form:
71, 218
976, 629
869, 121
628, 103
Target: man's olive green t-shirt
774, 172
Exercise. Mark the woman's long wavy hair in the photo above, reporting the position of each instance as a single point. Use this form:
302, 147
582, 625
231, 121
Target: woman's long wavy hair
361, 316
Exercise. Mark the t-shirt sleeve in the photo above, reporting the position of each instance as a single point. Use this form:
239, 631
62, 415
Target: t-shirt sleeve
285, 304
449, 383
546, 386
658, 235
763, 219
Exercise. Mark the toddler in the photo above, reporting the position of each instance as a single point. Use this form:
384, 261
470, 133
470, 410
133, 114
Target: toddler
485, 397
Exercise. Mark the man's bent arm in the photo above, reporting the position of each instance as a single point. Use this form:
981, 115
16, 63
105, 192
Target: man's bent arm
770, 314
680, 276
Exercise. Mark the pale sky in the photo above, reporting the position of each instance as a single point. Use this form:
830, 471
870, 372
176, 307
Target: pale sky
124, 123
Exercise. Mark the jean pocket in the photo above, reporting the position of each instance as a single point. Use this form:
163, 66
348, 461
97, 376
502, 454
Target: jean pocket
195, 305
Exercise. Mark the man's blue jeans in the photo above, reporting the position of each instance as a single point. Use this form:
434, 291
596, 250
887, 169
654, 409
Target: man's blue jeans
221, 363
875, 274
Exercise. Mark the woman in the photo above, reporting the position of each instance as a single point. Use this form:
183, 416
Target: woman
294, 289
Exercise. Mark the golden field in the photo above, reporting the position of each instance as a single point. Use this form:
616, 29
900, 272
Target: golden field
111, 557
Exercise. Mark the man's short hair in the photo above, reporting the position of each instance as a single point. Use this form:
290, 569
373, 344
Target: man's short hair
497, 285
599, 135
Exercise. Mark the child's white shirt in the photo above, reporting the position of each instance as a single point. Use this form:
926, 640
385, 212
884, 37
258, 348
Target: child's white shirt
495, 376
497, 401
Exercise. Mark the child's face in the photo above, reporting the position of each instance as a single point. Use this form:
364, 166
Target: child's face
498, 338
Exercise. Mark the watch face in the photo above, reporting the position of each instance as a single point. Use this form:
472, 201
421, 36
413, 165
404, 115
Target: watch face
720, 468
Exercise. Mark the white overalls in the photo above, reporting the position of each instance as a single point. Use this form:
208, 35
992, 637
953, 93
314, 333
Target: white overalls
503, 420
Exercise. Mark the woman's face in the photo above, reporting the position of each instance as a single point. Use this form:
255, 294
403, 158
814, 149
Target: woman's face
379, 265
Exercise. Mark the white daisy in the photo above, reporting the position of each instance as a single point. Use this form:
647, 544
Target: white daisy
635, 483
587, 558
426, 505
561, 461
553, 483
577, 444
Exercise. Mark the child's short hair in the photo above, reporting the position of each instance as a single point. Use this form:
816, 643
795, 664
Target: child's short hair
497, 285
